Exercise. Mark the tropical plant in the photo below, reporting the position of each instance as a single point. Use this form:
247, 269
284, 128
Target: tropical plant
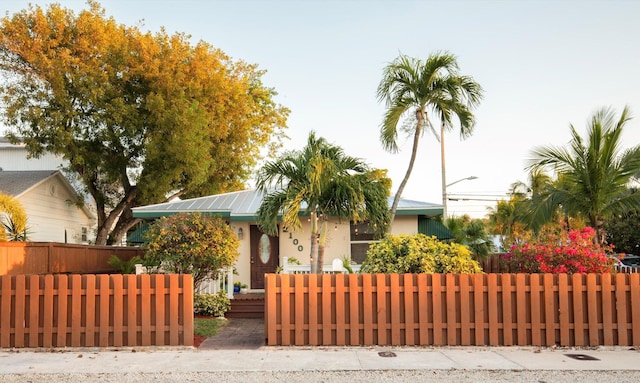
472, 233
141, 118
194, 243
418, 254
125, 266
411, 88
562, 252
593, 174
623, 232
322, 181
13, 218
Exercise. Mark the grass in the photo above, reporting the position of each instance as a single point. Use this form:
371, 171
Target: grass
207, 327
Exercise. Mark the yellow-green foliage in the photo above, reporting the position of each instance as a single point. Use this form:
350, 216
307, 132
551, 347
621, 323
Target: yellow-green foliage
193, 244
418, 254
15, 221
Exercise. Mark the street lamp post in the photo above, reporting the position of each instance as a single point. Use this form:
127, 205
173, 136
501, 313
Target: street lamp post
444, 194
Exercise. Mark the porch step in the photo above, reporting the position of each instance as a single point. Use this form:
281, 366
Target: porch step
248, 306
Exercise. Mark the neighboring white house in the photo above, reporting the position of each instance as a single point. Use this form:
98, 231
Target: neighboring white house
15, 157
51, 205
260, 253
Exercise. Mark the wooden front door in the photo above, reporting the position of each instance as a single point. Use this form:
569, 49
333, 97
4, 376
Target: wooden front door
265, 254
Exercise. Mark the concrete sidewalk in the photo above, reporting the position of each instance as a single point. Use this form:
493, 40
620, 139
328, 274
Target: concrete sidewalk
317, 359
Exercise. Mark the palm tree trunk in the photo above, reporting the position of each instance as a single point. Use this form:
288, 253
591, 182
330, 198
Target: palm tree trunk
322, 240
444, 177
414, 152
313, 256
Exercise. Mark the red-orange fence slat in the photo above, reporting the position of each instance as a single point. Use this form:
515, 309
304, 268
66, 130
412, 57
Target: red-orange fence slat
299, 310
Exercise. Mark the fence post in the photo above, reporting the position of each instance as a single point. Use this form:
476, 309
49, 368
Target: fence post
229, 285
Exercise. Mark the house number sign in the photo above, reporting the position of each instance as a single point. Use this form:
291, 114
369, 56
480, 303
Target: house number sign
295, 242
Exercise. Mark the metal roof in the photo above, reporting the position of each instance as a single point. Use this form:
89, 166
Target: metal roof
243, 205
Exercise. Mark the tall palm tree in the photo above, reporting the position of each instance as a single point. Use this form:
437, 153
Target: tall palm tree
323, 181
593, 173
412, 88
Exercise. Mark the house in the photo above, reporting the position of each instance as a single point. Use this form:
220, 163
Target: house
260, 253
53, 214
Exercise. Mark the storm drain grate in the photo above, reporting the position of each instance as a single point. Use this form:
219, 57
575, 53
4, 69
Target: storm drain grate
387, 354
581, 357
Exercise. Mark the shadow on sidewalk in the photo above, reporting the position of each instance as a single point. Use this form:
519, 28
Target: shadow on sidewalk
238, 334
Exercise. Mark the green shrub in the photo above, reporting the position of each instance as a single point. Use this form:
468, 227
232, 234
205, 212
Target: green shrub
418, 254
211, 304
125, 267
194, 244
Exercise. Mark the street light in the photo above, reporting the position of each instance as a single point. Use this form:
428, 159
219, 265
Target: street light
444, 194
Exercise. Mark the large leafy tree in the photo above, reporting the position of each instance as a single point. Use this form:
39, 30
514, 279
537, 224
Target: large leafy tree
322, 181
593, 173
139, 117
417, 90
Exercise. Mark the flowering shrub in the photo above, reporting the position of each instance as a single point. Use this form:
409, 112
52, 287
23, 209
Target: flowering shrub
572, 252
195, 244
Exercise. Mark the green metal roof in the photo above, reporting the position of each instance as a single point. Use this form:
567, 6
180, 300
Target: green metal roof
242, 206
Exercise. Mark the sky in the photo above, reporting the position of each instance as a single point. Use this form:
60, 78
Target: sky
543, 65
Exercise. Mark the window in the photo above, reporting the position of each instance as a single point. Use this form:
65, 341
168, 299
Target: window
84, 234
361, 237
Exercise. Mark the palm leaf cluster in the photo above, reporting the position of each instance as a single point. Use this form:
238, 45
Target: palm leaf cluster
416, 89
587, 180
321, 181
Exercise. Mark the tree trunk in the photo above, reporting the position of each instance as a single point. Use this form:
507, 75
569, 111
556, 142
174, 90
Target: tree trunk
313, 255
414, 152
125, 222
321, 245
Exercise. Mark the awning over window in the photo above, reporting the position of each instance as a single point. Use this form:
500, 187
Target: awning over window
432, 227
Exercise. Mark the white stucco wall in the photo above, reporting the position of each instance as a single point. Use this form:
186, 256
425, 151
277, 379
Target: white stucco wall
297, 244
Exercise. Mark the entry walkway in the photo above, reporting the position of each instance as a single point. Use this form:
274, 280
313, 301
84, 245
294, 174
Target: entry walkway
238, 334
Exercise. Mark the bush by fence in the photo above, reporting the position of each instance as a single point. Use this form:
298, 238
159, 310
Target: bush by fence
51, 257
453, 309
96, 310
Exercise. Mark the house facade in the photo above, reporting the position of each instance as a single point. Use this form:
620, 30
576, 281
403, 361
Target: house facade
261, 253
50, 202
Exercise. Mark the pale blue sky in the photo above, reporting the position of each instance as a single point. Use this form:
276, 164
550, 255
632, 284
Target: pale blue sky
542, 64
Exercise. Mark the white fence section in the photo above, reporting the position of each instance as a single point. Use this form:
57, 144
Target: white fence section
222, 282
334, 268
627, 269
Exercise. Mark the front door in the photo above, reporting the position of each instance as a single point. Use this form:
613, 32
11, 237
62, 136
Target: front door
264, 256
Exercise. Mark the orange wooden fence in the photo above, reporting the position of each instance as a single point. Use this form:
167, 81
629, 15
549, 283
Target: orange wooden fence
51, 257
96, 310
453, 309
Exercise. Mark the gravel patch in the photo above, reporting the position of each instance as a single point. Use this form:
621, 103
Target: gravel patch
458, 376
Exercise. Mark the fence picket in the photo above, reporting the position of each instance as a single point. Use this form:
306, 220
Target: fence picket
607, 309
479, 312
355, 293
34, 310
634, 284
314, 306
47, 311
563, 309
408, 287
394, 289
578, 310
6, 292
381, 308
76, 309
492, 307
368, 308
507, 309
299, 309
118, 301
465, 310
550, 308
